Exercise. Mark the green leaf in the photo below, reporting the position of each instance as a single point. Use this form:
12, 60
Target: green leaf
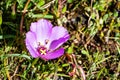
64, 9
93, 15
41, 2
85, 52
70, 49
0, 17
1, 36
105, 17
21, 3
115, 14
100, 73
9, 36
35, 61
6, 36
48, 16
18, 55
101, 7
69, 1
65, 65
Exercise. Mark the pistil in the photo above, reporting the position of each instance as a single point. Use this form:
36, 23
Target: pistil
42, 50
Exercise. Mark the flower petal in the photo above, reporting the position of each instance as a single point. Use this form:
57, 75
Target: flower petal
43, 30
53, 55
58, 32
58, 37
57, 43
32, 51
31, 44
33, 27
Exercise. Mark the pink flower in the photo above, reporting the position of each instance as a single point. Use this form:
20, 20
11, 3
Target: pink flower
43, 40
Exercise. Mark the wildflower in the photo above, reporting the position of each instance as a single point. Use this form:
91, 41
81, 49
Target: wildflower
44, 41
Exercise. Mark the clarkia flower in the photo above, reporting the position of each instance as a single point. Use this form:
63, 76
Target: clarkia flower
44, 41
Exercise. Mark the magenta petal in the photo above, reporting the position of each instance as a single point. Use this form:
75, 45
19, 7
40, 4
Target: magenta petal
43, 30
32, 51
31, 44
54, 54
58, 32
57, 43
33, 27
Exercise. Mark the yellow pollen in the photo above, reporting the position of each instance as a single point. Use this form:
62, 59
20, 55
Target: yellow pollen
43, 52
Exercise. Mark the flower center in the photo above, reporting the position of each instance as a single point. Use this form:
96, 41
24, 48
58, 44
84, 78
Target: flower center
42, 50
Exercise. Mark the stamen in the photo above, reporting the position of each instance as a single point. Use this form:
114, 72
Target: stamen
42, 50
46, 41
39, 44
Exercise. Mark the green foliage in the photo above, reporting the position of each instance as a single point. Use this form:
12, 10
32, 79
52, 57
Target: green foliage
1, 17
94, 27
69, 1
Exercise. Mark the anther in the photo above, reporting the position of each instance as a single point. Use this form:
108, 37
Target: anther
43, 52
46, 41
39, 44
